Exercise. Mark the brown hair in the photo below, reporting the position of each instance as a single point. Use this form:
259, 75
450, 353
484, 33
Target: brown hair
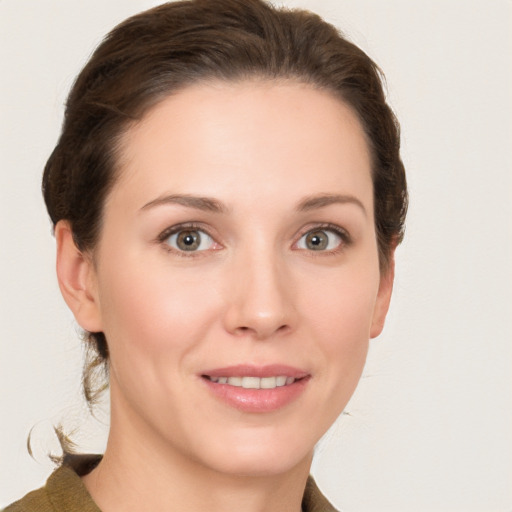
162, 50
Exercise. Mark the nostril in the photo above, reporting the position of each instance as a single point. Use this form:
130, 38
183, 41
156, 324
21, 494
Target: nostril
243, 330
261, 332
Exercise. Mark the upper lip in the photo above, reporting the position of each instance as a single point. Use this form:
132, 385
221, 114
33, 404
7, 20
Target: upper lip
248, 370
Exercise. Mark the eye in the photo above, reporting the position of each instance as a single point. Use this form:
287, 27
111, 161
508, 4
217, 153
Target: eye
190, 240
320, 240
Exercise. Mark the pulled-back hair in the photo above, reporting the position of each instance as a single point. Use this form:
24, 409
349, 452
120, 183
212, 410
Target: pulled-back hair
163, 50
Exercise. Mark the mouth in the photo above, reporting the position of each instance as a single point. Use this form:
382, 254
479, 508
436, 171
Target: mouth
248, 382
256, 389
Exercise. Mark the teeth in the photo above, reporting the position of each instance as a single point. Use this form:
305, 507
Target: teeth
268, 383
255, 382
280, 381
235, 381
250, 382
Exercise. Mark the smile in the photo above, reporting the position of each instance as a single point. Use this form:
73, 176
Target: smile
254, 382
257, 389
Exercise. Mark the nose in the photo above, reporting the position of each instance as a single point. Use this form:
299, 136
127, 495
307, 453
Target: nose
260, 298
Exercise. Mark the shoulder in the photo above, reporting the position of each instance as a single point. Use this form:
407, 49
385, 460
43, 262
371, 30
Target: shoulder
32, 502
314, 500
64, 490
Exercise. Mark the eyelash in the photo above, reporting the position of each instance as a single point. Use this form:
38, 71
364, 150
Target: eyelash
188, 226
345, 237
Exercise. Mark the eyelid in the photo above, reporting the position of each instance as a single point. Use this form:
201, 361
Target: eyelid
326, 226
185, 226
199, 226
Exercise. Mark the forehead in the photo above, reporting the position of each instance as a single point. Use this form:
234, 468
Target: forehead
238, 139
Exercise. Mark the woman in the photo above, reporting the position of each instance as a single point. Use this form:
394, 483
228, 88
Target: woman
227, 195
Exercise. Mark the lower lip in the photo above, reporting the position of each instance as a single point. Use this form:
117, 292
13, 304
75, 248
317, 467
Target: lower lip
257, 400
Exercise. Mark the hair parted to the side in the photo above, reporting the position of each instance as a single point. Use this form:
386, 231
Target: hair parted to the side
163, 50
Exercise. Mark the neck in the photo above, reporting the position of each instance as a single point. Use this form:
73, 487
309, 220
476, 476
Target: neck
139, 473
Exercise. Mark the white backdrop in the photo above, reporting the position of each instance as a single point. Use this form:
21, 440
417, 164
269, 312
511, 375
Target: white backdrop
430, 427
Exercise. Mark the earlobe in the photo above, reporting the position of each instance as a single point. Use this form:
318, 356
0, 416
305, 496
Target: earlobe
76, 276
383, 298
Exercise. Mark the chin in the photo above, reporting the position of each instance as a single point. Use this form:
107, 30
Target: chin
265, 466
260, 456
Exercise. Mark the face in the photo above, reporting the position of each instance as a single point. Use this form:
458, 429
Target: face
237, 276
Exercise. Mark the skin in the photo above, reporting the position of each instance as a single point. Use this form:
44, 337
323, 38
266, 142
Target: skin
254, 293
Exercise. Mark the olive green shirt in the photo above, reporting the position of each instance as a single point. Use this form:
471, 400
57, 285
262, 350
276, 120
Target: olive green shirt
65, 492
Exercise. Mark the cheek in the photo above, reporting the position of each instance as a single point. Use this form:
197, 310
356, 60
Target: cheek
339, 319
341, 306
152, 311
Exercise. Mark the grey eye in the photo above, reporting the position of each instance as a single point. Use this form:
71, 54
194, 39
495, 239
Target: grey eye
320, 240
190, 240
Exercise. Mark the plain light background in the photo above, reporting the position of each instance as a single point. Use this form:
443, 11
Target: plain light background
430, 426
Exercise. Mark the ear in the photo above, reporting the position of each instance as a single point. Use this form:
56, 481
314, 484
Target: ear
77, 279
383, 298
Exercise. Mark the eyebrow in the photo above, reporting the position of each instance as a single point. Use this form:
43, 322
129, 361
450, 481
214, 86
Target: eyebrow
207, 204
323, 200
210, 204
